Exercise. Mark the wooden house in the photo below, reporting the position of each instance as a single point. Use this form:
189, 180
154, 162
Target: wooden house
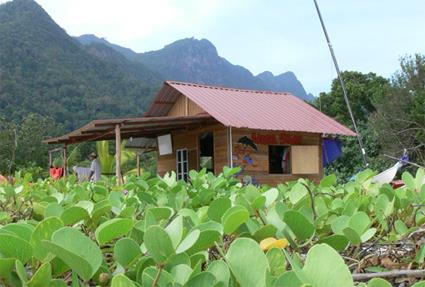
273, 137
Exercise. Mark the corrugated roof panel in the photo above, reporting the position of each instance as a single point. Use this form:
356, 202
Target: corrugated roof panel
258, 109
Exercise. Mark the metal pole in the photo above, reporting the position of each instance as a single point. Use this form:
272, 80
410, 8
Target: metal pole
344, 90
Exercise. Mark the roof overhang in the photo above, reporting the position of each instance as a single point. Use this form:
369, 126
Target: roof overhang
149, 127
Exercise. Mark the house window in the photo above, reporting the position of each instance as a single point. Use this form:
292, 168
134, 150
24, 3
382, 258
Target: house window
182, 164
279, 159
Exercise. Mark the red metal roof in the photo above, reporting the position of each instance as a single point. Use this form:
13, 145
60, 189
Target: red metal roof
249, 108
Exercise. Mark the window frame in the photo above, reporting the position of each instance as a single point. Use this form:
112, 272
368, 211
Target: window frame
182, 173
290, 159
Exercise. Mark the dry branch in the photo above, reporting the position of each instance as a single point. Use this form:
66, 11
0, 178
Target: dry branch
389, 274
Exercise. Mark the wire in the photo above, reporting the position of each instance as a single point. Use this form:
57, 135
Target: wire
344, 90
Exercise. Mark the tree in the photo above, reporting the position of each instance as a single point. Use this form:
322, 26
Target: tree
399, 120
21, 145
362, 89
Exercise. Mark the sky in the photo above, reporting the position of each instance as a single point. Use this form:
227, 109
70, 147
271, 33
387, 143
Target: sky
272, 35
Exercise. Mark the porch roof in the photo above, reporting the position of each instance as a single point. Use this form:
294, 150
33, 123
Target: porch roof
149, 127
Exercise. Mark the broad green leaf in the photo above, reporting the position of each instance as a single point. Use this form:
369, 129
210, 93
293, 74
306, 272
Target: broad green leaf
378, 282
328, 181
99, 209
57, 283
419, 284
368, 234
175, 230
22, 230
76, 250
126, 250
42, 277
185, 212
338, 242
298, 192
324, 267
420, 255
161, 212
21, 272
206, 239
53, 209
289, 279
339, 224
359, 222
6, 267
233, 218
248, 268
277, 261
4, 216
112, 229
181, 273
352, 235
271, 196
419, 178
44, 231
265, 231
218, 207
87, 205
73, 215
400, 227
188, 241
149, 274
221, 272
202, 279
384, 205
158, 244
300, 225
121, 280
12, 246
408, 180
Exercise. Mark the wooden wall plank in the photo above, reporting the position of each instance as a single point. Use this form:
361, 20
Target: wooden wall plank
259, 169
256, 162
184, 107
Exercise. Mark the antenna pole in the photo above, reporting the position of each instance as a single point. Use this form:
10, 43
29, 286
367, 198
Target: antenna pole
341, 81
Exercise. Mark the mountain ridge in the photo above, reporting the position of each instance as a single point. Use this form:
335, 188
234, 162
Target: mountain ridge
197, 60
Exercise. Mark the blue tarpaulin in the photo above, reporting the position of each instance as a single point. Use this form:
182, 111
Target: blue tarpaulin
331, 150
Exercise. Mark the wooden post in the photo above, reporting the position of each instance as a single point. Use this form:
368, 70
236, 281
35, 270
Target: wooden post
230, 146
50, 159
138, 163
118, 153
65, 156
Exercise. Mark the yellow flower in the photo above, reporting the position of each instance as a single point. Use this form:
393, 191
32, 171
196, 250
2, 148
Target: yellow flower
271, 242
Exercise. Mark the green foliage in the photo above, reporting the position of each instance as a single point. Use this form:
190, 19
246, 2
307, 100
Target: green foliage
107, 159
21, 144
399, 121
220, 234
362, 89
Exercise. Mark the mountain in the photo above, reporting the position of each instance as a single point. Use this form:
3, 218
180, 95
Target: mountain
198, 61
285, 82
43, 70
89, 39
